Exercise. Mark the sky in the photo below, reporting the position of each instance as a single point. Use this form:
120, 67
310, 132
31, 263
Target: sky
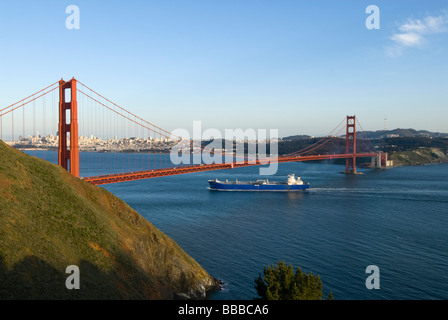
296, 66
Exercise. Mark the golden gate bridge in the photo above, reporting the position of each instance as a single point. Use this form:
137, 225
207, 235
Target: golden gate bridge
90, 114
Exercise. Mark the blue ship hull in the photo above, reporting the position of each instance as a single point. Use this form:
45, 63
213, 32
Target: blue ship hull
255, 186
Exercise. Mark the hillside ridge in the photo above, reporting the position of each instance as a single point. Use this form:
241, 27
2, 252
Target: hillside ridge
50, 220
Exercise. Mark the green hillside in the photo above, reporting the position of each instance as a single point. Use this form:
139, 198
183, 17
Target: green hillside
50, 220
418, 156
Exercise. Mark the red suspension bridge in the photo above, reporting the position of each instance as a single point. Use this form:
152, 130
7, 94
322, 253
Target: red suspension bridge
91, 122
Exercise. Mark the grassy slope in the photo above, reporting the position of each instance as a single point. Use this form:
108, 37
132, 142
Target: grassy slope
49, 220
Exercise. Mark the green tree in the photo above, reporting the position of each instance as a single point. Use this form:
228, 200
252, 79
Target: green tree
279, 282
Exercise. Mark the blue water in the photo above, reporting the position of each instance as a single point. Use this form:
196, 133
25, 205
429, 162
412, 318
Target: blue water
396, 219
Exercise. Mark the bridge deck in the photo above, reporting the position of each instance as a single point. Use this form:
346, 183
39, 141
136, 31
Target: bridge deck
138, 175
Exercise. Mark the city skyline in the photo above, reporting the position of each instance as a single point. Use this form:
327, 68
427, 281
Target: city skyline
297, 66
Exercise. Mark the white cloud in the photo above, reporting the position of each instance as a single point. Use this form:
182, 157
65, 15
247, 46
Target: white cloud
413, 26
407, 39
414, 32
436, 24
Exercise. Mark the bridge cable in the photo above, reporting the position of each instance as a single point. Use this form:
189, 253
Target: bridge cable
325, 137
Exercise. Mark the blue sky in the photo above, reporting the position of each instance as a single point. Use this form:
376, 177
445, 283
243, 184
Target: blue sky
296, 66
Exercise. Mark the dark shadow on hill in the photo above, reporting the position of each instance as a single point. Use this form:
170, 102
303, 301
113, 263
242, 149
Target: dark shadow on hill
34, 279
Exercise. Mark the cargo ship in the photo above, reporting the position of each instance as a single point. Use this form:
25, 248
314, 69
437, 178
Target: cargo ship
292, 184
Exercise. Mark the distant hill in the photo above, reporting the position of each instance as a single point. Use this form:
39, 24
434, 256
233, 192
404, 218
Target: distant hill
50, 220
402, 133
418, 156
381, 134
296, 137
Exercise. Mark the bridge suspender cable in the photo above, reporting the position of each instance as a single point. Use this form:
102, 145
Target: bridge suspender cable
24, 99
373, 149
329, 135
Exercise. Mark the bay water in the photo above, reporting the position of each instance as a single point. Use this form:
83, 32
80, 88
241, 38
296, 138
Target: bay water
395, 219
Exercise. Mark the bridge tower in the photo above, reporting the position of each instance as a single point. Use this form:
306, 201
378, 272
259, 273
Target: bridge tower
350, 136
68, 155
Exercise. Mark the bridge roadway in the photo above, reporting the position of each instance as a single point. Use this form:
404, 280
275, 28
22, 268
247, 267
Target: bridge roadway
147, 174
